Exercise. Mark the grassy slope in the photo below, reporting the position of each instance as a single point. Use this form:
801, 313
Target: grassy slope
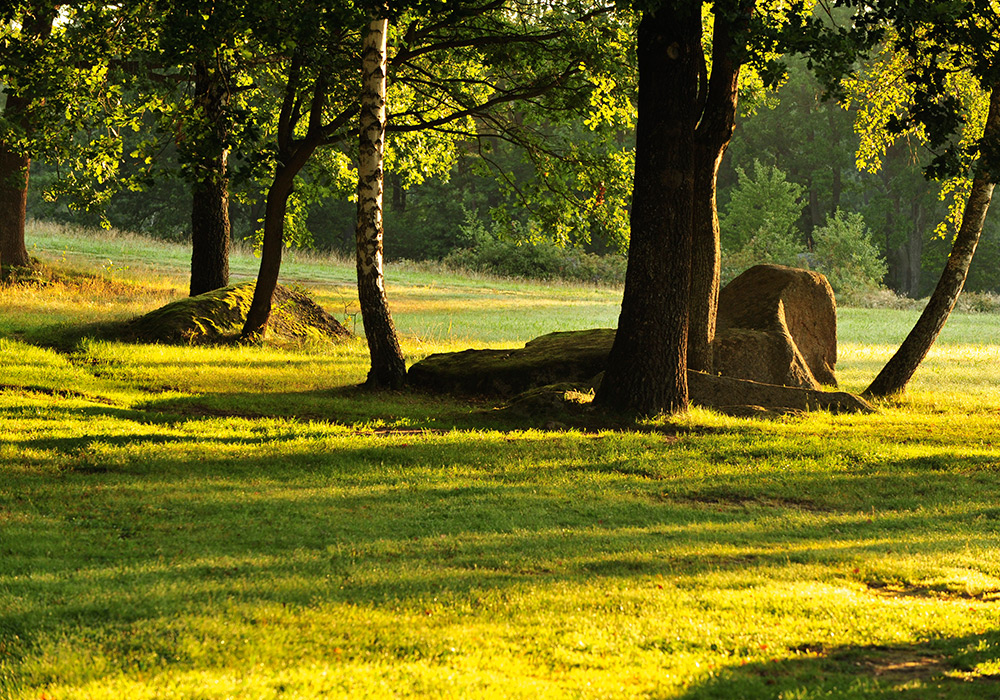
241, 522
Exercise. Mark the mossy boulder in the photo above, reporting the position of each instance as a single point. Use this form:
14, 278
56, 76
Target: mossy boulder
218, 316
572, 356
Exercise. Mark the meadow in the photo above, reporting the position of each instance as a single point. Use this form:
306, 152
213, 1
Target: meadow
245, 522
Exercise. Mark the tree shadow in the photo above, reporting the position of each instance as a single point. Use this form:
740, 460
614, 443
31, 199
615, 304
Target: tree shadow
952, 667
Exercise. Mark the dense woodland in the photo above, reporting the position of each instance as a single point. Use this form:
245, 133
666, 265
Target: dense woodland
523, 132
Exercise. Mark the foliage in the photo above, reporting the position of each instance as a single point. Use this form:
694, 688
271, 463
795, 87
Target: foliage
764, 205
845, 254
758, 223
74, 106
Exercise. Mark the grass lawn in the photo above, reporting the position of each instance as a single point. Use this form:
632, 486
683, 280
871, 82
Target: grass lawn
243, 522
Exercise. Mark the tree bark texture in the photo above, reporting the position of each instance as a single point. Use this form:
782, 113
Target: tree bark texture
388, 367
647, 367
14, 165
713, 135
210, 228
900, 369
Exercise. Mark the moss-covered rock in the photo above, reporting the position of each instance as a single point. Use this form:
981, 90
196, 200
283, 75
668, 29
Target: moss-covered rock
572, 356
218, 316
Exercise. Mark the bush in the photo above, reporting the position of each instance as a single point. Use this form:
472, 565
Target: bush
545, 261
763, 207
845, 254
758, 224
978, 303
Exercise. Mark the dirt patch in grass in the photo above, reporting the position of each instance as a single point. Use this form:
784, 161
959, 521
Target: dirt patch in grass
899, 590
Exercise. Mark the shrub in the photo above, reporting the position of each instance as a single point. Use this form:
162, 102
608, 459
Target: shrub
758, 224
763, 207
541, 260
845, 254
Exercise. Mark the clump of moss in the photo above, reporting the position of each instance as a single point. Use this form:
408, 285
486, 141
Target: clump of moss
218, 316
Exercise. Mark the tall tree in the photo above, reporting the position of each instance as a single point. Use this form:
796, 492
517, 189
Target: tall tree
943, 42
60, 105
210, 228
898, 371
196, 63
388, 368
685, 121
24, 36
647, 368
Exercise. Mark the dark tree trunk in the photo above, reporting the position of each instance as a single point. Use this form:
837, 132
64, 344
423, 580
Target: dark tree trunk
838, 188
914, 250
210, 228
388, 368
706, 257
292, 156
14, 167
647, 367
713, 135
270, 253
899, 370
36, 22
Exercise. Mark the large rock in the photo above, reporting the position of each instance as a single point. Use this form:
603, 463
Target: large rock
777, 325
576, 358
572, 356
219, 315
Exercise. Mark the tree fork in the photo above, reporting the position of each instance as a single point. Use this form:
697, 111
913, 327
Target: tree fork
900, 369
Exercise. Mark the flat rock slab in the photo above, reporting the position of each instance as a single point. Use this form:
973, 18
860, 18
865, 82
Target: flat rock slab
571, 356
578, 357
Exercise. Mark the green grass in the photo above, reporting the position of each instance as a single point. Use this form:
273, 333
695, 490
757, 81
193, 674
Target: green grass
243, 522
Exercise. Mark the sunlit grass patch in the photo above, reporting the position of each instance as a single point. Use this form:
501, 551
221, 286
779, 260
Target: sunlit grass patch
244, 521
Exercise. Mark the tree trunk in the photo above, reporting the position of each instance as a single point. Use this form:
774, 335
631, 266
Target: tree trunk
647, 367
14, 165
706, 257
388, 368
210, 228
914, 249
713, 134
899, 370
292, 156
270, 254
36, 23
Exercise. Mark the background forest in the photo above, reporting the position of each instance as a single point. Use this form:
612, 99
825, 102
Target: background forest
790, 191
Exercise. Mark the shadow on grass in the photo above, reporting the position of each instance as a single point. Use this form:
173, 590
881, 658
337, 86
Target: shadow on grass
135, 528
454, 514
946, 667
